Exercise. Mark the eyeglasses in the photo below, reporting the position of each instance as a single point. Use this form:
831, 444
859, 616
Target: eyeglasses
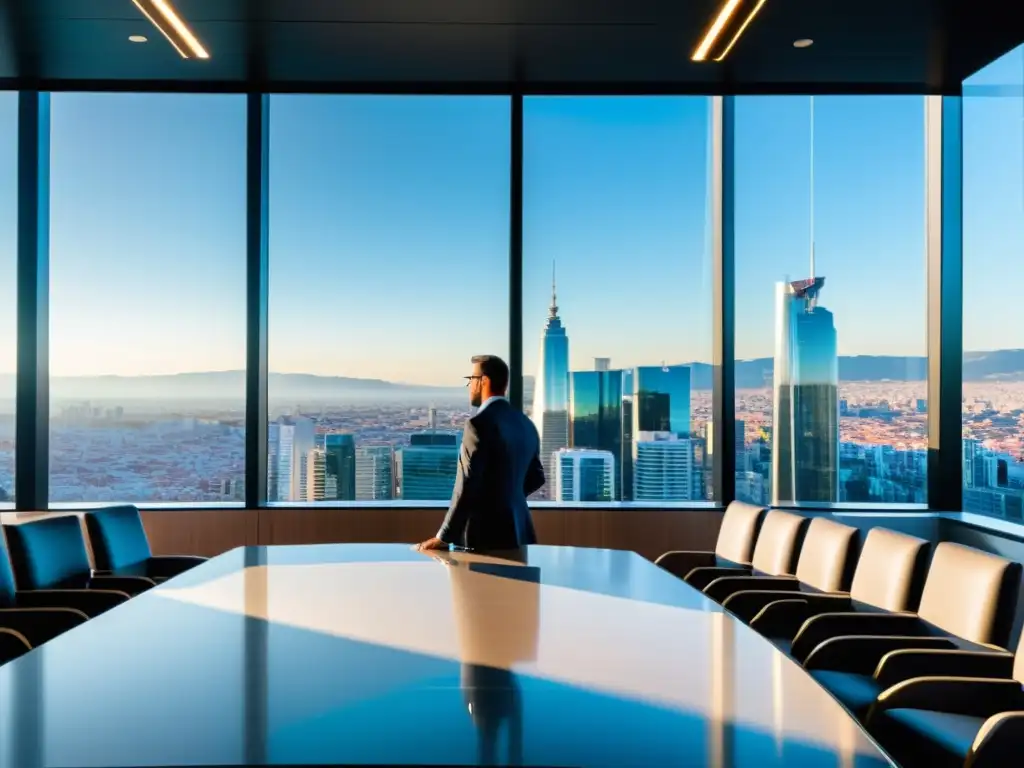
470, 378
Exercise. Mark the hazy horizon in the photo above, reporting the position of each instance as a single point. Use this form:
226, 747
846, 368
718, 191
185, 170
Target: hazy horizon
438, 385
389, 228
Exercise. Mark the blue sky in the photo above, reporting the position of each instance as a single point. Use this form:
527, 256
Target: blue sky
389, 234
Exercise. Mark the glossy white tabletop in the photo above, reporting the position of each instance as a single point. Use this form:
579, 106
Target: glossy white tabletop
337, 654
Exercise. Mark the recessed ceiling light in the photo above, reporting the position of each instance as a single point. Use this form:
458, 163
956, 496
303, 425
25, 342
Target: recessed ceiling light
804, 42
138, 38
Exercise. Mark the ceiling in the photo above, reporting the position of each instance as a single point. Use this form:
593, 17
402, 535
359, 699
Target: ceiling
533, 46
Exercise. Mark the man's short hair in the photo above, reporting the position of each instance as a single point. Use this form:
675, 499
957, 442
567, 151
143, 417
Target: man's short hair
495, 369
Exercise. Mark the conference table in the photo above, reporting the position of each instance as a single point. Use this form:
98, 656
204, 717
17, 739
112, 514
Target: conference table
378, 654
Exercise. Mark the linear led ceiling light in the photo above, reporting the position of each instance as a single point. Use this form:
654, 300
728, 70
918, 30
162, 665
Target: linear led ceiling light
730, 19
162, 15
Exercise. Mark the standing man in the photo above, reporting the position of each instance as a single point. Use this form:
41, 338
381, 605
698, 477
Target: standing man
499, 466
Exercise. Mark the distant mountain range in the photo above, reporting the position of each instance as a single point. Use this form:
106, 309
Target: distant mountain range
999, 365
230, 386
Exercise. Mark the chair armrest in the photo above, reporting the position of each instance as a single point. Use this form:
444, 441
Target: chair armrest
971, 696
91, 602
169, 566
679, 563
1000, 741
825, 626
783, 617
40, 624
861, 654
12, 645
904, 664
699, 578
133, 585
750, 601
722, 588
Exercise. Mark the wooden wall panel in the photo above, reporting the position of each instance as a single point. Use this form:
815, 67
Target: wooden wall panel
652, 532
326, 525
550, 525
210, 532
206, 532
583, 527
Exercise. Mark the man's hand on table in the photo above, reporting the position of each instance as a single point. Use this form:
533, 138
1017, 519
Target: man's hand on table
431, 544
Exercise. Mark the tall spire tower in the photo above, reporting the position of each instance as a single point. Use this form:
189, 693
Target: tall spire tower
550, 411
805, 412
553, 309
813, 273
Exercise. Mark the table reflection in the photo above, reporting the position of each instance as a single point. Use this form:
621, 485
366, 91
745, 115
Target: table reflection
505, 633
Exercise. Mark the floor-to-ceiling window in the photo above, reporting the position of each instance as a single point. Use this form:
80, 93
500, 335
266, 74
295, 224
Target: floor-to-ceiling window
617, 296
389, 252
147, 302
993, 232
8, 287
389, 270
830, 288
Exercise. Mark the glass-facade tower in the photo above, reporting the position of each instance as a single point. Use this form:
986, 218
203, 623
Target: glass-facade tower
661, 399
374, 472
550, 412
663, 467
340, 464
584, 475
426, 467
805, 446
595, 413
291, 439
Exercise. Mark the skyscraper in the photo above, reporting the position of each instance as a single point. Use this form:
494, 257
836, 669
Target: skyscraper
661, 399
663, 467
426, 467
584, 475
316, 476
595, 413
273, 453
656, 407
805, 419
375, 472
551, 390
291, 439
805, 416
340, 453
626, 467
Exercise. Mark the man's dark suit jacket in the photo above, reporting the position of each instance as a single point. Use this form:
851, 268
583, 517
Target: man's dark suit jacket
499, 466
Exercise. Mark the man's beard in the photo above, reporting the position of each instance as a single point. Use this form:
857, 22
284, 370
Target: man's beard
475, 400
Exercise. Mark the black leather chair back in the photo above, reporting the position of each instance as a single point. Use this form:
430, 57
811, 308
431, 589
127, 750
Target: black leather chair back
118, 538
49, 553
7, 587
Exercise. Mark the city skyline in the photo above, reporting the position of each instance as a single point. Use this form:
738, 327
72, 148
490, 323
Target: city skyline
606, 434
608, 182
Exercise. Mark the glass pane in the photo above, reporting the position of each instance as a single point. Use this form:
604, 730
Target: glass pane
147, 306
616, 261
831, 327
993, 118
8, 288
388, 271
